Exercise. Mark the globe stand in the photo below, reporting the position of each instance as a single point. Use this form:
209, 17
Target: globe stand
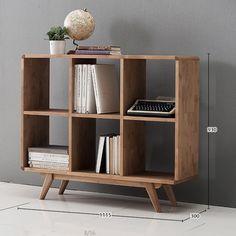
73, 51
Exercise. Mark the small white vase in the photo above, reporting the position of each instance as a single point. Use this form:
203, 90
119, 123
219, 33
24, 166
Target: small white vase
57, 46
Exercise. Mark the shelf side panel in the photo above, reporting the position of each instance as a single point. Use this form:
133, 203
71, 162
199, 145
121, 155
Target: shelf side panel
35, 83
187, 119
133, 82
35, 133
133, 141
82, 143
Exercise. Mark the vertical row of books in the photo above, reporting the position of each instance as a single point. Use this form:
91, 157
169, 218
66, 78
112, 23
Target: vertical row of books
108, 155
49, 157
96, 89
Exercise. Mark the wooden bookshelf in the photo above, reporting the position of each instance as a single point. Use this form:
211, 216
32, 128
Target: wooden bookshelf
36, 112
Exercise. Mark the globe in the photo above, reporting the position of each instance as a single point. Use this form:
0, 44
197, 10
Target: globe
80, 24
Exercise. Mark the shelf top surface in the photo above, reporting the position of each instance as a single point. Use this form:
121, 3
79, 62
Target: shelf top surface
118, 57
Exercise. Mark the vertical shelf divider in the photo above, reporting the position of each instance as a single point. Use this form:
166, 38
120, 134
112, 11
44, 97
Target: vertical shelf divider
133, 86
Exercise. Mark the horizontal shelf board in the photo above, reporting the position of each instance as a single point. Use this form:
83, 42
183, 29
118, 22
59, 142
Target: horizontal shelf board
145, 57
49, 112
148, 118
144, 177
65, 56
115, 116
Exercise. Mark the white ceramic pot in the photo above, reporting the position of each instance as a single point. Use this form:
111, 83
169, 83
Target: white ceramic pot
57, 46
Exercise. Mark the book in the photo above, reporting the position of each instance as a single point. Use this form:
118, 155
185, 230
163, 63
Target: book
79, 88
48, 163
118, 154
84, 88
105, 88
75, 87
111, 169
49, 167
111, 48
107, 154
115, 154
48, 157
100, 154
55, 149
90, 104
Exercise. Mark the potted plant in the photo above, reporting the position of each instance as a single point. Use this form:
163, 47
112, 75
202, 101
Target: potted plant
57, 36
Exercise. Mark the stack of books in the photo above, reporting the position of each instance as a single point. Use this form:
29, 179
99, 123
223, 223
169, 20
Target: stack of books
97, 50
49, 157
96, 89
108, 156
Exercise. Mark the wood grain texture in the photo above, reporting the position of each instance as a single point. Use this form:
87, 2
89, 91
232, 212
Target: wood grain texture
170, 194
150, 188
46, 185
133, 85
48, 112
144, 177
146, 57
83, 143
133, 147
187, 119
35, 84
111, 116
35, 133
151, 119
63, 186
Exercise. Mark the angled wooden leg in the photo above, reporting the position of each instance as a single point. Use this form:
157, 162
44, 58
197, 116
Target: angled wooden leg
150, 188
63, 186
170, 194
46, 185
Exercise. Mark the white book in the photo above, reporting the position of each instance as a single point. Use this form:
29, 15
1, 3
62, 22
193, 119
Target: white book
115, 154
111, 168
118, 154
49, 167
39, 156
105, 88
79, 88
100, 152
107, 154
90, 105
84, 89
75, 87
48, 163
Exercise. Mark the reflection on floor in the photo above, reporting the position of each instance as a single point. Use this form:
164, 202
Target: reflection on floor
77, 213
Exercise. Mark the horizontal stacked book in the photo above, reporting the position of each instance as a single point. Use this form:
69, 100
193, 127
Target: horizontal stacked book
108, 155
49, 157
97, 50
96, 89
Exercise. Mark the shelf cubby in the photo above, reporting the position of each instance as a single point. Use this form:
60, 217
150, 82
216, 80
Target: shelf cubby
139, 167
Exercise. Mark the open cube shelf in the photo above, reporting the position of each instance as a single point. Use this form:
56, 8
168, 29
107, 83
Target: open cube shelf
132, 73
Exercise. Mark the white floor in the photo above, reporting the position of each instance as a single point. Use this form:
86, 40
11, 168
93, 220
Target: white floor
77, 213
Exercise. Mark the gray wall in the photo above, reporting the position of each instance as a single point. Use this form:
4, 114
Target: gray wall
148, 27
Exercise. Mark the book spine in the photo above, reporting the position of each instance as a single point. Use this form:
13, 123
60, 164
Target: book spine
49, 163
34, 156
93, 52
49, 167
75, 87
98, 48
107, 155
95, 86
79, 89
84, 89
100, 152
90, 106
118, 154
47, 150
